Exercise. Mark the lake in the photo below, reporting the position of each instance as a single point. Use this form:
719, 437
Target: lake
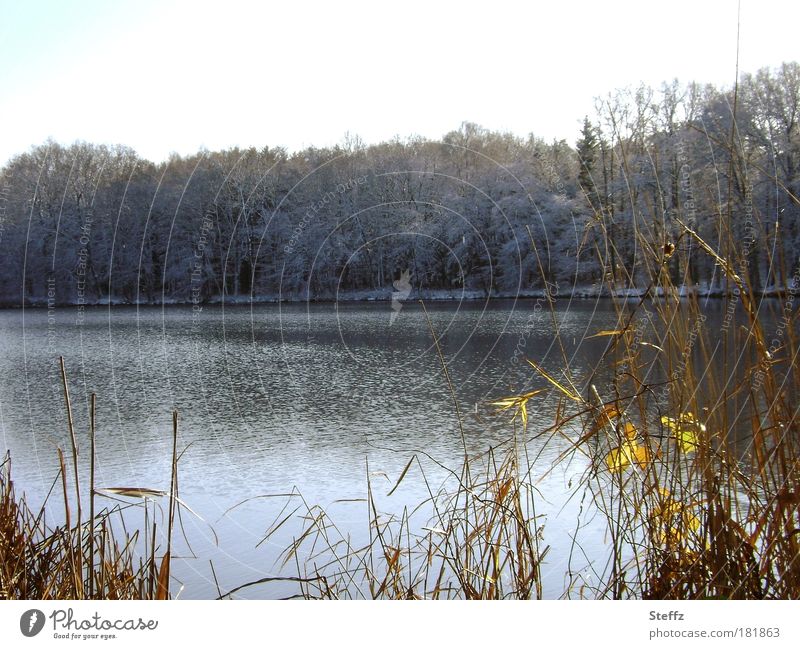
280, 397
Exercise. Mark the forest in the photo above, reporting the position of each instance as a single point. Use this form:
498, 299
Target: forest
488, 213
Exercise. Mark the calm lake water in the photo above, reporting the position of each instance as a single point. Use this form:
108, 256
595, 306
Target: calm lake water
276, 397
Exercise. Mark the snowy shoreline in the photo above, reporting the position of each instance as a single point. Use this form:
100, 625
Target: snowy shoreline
386, 295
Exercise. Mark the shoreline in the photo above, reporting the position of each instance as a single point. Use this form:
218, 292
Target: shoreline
387, 296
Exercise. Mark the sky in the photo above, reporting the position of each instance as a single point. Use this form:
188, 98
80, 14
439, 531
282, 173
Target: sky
173, 76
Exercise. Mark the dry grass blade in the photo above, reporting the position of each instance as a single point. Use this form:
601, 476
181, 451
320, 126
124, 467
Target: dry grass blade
402, 475
606, 332
162, 592
133, 492
97, 558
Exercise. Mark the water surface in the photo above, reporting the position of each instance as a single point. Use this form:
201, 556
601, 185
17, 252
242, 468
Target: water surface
275, 397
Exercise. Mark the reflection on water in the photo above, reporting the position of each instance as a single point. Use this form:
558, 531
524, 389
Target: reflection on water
275, 397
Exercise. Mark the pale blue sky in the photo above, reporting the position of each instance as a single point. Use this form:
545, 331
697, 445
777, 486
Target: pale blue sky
175, 76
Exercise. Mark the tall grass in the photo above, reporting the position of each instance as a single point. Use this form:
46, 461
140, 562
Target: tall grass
691, 443
692, 454
94, 558
482, 542
699, 438
689, 434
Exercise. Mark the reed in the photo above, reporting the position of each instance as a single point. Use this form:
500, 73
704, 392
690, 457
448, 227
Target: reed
692, 462
96, 558
688, 429
482, 542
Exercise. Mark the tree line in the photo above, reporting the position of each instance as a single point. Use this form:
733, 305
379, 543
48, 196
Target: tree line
487, 212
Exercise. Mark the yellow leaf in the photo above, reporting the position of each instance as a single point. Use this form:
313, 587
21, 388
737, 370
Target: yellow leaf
604, 417
687, 440
532, 393
684, 418
618, 459
568, 393
691, 521
674, 520
670, 423
505, 403
630, 431
510, 402
684, 429
689, 418
642, 456
520, 403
